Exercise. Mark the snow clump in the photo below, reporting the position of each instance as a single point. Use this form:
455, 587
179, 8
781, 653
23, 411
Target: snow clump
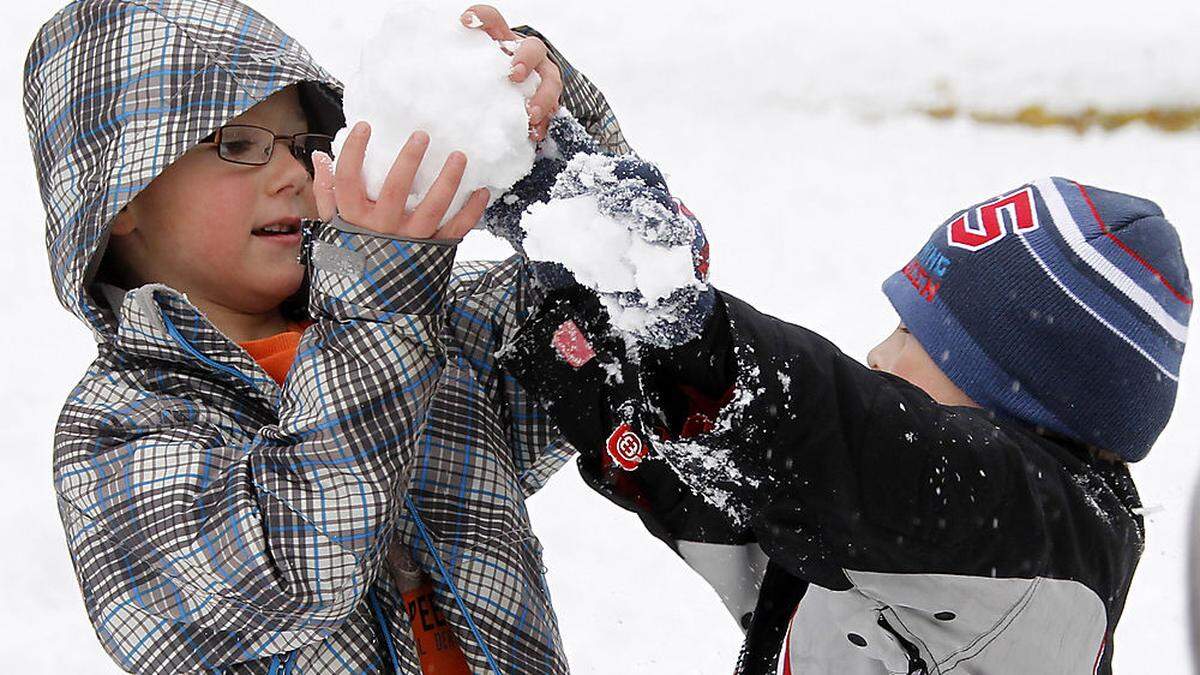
423, 70
602, 253
633, 251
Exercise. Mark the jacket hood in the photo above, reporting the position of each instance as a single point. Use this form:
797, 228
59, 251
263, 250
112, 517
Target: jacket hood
116, 90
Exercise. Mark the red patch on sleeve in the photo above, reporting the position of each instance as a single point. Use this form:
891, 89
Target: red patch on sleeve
626, 448
572, 345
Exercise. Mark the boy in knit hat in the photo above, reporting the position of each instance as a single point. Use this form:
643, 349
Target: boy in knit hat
963, 505
273, 467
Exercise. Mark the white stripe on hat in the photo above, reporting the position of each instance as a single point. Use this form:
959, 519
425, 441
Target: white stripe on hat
1046, 268
1073, 235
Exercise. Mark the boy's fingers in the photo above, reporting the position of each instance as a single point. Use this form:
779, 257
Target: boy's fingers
527, 58
323, 186
489, 20
348, 183
428, 215
393, 196
544, 103
467, 217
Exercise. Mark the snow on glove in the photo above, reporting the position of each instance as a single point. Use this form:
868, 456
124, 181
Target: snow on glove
630, 196
566, 138
654, 285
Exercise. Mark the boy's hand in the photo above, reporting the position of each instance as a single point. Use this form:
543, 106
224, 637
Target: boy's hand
529, 55
345, 193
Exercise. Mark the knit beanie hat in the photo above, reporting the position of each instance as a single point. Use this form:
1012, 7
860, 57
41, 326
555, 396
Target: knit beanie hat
1059, 305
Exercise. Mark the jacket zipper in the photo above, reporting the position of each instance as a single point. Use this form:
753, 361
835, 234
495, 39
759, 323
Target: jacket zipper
916, 664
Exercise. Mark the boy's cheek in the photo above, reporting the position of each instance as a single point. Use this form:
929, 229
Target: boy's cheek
309, 199
912, 369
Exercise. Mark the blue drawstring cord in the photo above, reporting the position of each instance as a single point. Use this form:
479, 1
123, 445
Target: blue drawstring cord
383, 626
462, 606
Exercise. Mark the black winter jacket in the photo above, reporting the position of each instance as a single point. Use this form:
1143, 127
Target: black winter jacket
850, 522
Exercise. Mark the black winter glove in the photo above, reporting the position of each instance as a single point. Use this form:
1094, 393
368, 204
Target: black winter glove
633, 193
566, 139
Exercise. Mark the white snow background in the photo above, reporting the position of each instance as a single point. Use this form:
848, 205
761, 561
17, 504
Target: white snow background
785, 129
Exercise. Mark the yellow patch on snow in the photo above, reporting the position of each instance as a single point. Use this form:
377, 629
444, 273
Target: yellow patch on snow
1173, 119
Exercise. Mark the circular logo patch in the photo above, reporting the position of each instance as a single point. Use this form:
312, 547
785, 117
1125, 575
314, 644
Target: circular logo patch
626, 448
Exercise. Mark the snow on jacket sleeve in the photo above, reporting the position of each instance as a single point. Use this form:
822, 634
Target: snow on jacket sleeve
861, 470
861, 480
257, 544
568, 358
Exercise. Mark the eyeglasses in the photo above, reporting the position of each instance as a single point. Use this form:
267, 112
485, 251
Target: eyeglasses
251, 145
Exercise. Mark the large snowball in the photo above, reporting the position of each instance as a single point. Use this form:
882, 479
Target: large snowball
424, 70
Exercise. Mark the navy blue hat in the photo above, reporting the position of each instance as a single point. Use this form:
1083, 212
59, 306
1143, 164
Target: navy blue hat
1059, 305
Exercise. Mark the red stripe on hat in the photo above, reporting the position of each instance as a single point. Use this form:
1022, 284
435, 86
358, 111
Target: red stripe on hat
1132, 253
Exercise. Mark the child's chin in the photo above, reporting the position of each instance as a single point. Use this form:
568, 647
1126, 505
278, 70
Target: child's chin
281, 285
288, 289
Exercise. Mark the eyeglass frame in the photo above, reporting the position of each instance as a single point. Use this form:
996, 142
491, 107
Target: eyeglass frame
290, 139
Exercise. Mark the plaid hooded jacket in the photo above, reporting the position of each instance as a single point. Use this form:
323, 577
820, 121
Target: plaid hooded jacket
217, 521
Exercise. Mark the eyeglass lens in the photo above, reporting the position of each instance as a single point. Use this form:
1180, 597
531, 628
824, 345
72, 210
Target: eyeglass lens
246, 145
251, 145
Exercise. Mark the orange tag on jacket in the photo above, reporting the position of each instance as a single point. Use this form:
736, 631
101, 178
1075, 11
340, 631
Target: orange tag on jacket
436, 645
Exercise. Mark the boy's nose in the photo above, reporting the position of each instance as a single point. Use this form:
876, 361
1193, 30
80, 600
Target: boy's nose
287, 172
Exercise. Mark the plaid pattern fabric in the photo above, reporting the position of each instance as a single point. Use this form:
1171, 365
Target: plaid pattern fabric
218, 522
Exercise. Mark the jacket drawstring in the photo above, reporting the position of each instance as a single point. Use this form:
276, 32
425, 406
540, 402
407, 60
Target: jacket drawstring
462, 606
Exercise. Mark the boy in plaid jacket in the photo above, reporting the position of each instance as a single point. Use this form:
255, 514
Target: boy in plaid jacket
229, 513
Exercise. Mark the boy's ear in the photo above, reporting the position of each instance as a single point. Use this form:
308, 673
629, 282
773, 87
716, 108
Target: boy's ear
124, 223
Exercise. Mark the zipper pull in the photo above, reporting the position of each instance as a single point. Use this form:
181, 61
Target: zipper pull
916, 664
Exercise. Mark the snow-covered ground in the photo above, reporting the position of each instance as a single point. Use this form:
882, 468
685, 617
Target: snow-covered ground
756, 111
